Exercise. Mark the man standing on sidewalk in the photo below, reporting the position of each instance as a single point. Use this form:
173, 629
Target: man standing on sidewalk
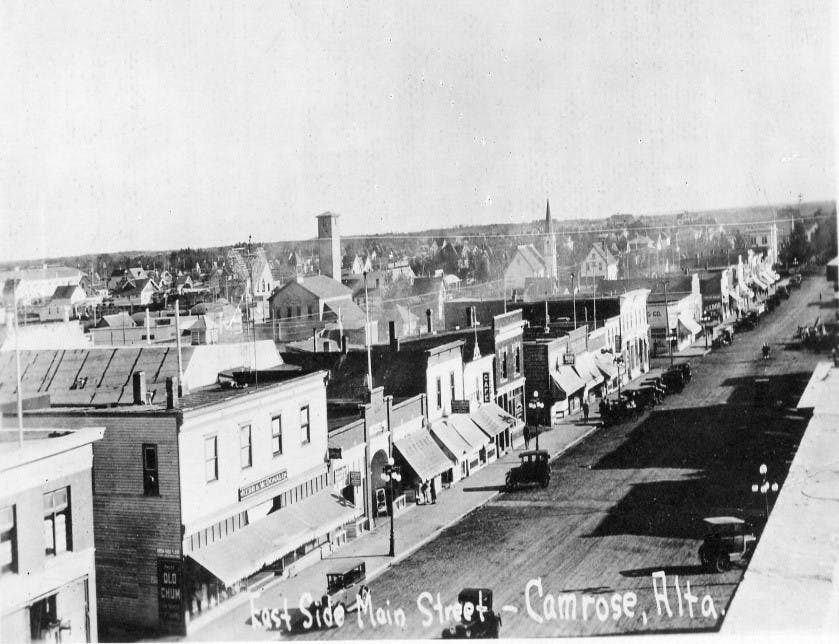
527, 437
585, 410
433, 491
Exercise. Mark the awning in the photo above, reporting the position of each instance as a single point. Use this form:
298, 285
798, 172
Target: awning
689, 323
459, 434
606, 364
423, 454
586, 368
767, 277
492, 419
567, 380
258, 544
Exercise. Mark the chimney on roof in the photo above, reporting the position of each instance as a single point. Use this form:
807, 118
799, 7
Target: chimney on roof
171, 392
344, 344
428, 319
394, 341
140, 392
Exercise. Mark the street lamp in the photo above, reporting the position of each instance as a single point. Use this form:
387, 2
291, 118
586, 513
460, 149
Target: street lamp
764, 487
619, 362
390, 474
536, 406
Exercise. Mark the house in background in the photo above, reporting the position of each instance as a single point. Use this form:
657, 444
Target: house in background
526, 262
47, 580
64, 303
599, 263
35, 286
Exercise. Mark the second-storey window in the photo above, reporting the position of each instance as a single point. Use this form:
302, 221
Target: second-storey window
504, 364
8, 540
439, 393
245, 454
451, 386
517, 363
150, 482
305, 434
277, 435
211, 458
57, 522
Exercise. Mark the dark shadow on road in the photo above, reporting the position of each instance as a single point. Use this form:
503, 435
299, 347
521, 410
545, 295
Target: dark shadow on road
485, 488
716, 452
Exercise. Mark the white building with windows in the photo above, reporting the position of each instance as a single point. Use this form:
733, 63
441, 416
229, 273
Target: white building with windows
599, 263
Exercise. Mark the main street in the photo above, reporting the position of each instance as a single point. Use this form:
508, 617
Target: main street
622, 505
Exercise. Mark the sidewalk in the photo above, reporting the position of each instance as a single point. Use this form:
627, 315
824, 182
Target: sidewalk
413, 528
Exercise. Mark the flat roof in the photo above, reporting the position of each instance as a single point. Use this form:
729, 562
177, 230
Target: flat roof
42, 442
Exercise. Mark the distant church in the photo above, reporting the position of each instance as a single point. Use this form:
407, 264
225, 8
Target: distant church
529, 263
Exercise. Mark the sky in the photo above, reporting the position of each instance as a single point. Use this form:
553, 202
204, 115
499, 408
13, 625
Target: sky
159, 125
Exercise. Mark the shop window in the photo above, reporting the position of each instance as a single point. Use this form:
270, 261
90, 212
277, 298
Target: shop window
305, 433
151, 486
8, 540
57, 522
211, 458
43, 620
277, 435
245, 453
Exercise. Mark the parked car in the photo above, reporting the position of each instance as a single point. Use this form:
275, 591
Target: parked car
675, 379
795, 280
342, 590
534, 467
726, 538
481, 623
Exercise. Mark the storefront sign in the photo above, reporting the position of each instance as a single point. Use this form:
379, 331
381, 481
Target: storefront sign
486, 387
169, 594
460, 406
355, 478
568, 358
335, 453
268, 481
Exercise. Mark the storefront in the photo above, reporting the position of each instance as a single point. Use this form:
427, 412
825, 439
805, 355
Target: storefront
497, 424
689, 330
422, 459
567, 389
275, 544
464, 442
587, 370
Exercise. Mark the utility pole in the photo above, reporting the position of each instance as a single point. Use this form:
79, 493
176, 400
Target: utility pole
574, 300
667, 323
367, 338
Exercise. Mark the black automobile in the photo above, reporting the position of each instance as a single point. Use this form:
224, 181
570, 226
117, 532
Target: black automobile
477, 619
726, 538
534, 467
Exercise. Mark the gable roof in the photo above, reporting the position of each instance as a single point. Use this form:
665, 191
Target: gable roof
324, 287
116, 320
531, 256
64, 292
600, 249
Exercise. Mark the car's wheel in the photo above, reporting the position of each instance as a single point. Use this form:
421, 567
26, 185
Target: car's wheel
510, 482
545, 480
703, 557
722, 562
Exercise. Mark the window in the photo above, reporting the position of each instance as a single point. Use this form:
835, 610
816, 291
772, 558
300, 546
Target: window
8, 540
311, 310
305, 435
517, 363
451, 386
299, 310
439, 393
245, 455
277, 435
288, 311
211, 458
150, 483
57, 523
504, 364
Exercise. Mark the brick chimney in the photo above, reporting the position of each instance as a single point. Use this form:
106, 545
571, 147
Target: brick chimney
394, 341
171, 393
138, 379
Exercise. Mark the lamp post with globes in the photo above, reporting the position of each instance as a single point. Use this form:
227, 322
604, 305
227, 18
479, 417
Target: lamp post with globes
764, 488
536, 406
390, 474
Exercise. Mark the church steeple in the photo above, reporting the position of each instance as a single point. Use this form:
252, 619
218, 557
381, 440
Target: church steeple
550, 246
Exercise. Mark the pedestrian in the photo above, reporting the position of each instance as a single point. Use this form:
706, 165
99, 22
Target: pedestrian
433, 491
526, 437
424, 490
585, 410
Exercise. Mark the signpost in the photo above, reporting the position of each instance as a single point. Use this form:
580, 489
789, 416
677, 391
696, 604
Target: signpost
355, 478
335, 454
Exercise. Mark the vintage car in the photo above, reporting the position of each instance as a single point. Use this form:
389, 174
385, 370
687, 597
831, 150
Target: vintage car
675, 380
477, 619
795, 280
342, 590
726, 538
534, 467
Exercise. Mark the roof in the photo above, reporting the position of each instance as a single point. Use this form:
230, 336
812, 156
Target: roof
567, 380
600, 249
532, 257
50, 272
320, 286
492, 419
89, 377
64, 292
426, 285
116, 320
